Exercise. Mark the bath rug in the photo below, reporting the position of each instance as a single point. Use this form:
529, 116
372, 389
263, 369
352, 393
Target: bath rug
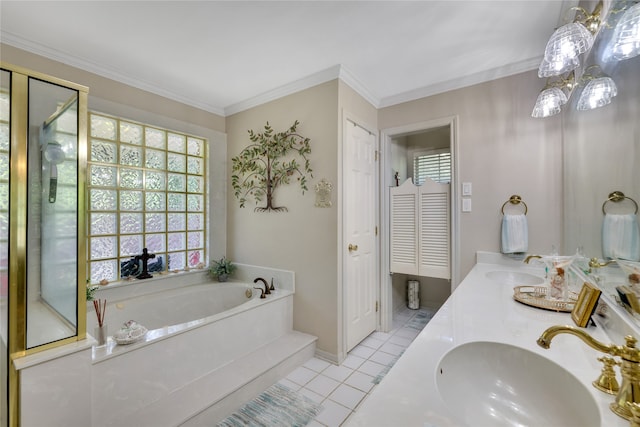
417, 322
278, 406
420, 320
386, 370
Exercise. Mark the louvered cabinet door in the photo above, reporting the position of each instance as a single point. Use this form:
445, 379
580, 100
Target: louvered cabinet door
434, 241
404, 228
421, 229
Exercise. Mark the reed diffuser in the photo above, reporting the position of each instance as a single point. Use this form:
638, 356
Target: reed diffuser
100, 307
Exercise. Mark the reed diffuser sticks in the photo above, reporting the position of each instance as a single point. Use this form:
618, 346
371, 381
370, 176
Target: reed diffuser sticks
100, 307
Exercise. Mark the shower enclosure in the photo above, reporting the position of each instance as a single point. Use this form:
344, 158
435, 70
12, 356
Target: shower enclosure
52, 211
43, 124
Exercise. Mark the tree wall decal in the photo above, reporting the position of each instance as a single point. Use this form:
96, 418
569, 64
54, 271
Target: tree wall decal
270, 161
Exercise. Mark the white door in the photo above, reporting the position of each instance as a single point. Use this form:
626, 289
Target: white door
360, 233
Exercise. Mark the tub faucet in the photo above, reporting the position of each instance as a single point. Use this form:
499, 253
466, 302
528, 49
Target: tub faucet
595, 263
266, 285
530, 257
629, 392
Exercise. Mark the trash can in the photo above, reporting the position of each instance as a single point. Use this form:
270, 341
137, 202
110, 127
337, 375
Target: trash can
413, 294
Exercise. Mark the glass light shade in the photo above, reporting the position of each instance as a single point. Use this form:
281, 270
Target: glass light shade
556, 68
549, 102
626, 37
568, 42
597, 93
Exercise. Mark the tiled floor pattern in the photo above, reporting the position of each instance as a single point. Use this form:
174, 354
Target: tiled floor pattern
341, 389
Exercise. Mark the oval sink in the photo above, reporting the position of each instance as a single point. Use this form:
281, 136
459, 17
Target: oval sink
494, 384
514, 277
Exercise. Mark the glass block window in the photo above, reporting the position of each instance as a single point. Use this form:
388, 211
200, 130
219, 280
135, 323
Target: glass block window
147, 188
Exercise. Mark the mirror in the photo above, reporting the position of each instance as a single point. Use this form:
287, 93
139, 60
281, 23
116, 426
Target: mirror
602, 153
52, 213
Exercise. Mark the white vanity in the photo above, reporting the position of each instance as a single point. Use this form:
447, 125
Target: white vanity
477, 363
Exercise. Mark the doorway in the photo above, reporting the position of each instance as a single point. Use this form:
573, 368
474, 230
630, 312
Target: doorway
402, 149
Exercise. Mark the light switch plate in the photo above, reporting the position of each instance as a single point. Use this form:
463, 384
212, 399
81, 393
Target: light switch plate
466, 188
466, 205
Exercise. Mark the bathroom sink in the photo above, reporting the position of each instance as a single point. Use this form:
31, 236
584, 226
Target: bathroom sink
494, 384
514, 277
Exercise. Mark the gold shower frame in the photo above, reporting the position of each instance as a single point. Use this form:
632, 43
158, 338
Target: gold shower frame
19, 121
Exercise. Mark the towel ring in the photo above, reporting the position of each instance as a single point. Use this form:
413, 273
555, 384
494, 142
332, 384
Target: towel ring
515, 200
618, 196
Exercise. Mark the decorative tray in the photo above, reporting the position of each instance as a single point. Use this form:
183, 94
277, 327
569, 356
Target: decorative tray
130, 332
536, 296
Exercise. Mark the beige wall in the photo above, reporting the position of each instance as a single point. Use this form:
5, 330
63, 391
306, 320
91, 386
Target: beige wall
433, 291
356, 107
113, 91
304, 239
502, 151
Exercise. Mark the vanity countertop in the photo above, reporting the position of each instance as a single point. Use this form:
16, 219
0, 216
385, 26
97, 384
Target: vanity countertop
480, 309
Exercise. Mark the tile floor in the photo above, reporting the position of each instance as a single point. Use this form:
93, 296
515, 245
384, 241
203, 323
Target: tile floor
341, 389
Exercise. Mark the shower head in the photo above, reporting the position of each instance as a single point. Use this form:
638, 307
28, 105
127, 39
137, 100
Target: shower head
54, 154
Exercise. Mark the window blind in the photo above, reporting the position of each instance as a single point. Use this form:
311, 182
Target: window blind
436, 166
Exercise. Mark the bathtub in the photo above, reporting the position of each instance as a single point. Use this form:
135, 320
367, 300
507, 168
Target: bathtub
204, 342
170, 311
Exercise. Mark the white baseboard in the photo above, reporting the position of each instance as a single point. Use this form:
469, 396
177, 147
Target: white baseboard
329, 357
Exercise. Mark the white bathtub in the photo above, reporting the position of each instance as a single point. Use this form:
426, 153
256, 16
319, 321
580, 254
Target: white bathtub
194, 334
174, 310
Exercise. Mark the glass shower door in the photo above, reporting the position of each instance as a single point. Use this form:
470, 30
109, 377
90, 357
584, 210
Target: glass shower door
52, 206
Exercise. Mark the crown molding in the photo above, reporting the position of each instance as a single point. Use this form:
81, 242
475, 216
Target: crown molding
74, 61
473, 79
350, 80
315, 79
331, 73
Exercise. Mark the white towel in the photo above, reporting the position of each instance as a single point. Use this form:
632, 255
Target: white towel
515, 234
621, 237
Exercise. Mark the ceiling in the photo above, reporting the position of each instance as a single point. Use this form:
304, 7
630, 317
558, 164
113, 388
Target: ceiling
224, 57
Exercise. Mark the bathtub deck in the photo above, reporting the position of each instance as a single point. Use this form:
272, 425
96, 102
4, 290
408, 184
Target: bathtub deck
218, 394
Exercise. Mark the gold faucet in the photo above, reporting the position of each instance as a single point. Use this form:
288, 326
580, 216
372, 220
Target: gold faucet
530, 257
607, 381
629, 392
635, 410
595, 263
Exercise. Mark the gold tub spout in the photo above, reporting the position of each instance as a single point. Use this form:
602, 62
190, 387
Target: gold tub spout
630, 366
595, 263
530, 257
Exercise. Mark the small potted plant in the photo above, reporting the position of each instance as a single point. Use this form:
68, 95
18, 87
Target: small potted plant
221, 269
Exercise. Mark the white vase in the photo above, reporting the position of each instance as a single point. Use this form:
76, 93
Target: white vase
100, 334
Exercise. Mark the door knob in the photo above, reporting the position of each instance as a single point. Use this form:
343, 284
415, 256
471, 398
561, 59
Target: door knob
352, 247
